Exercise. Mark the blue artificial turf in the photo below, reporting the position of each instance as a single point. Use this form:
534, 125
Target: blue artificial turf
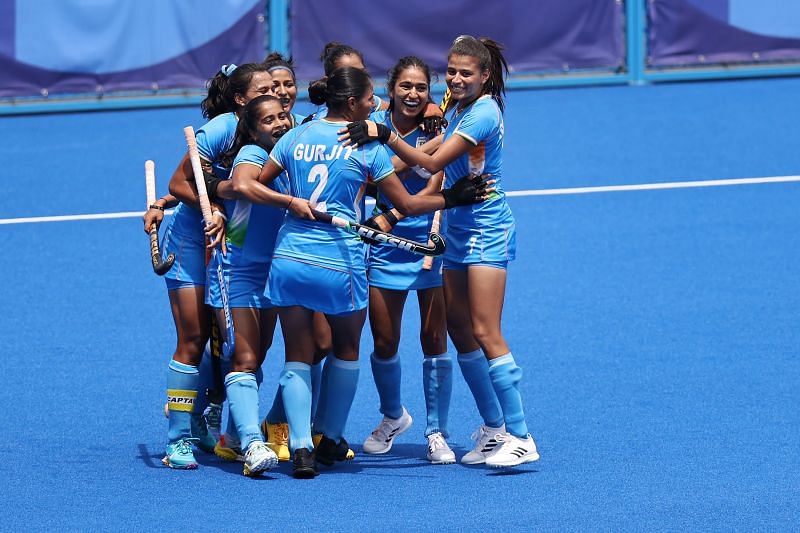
656, 329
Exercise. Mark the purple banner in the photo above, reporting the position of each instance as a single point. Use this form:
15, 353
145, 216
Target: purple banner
55, 47
545, 35
696, 32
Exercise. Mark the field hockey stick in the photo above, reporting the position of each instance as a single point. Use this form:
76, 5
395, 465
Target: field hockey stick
434, 246
205, 207
427, 263
159, 267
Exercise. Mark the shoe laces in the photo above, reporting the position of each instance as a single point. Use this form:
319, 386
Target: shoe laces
482, 433
256, 447
383, 430
281, 433
184, 446
436, 441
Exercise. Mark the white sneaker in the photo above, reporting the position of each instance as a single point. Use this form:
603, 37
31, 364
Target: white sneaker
439, 453
485, 444
513, 451
382, 438
258, 458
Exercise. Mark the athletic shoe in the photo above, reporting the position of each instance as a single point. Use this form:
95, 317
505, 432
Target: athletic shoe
213, 417
513, 451
205, 441
439, 453
382, 438
229, 449
485, 444
179, 455
317, 437
258, 458
303, 466
277, 438
329, 451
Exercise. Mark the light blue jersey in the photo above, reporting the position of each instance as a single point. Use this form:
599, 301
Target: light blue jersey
252, 228
392, 268
332, 178
483, 232
184, 236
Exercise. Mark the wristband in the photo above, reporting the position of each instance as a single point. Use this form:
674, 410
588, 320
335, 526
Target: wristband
154, 206
221, 214
390, 217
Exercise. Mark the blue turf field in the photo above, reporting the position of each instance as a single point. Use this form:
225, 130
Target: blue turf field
657, 331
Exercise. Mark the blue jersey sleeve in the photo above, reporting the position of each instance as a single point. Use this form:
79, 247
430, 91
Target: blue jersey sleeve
381, 164
251, 155
216, 136
483, 121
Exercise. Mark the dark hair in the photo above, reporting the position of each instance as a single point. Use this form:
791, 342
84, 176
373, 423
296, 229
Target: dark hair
490, 57
276, 60
403, 64
247, 124
223, 88
343, 83
333, 51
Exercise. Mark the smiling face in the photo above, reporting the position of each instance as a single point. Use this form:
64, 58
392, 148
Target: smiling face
260, 84
410, 92
284, 87
272, 122
465, 78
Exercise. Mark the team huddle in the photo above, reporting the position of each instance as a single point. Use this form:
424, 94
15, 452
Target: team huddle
282, 187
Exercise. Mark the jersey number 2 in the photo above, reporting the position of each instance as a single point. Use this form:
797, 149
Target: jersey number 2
318, 171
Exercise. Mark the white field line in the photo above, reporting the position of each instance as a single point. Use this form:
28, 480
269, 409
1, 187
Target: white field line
530, 192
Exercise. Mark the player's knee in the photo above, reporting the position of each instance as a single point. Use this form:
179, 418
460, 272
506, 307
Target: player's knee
386, 346
485, 335
245, 361
433, 341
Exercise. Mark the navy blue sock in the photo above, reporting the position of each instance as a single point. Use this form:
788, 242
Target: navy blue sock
437, 382
505, 376
181, 395
295, 384
387, 374
243, 402
476, 373
341, 389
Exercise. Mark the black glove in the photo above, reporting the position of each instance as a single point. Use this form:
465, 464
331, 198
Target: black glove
434, 125
468, 190
212, 182
359, 133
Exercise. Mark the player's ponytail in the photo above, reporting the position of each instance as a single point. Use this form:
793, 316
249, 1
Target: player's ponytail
317, 90
214, 103
498, 70
225, 85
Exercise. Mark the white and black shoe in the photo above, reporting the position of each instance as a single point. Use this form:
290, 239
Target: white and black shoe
439, 453
380, 441
485, 438
513, 451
